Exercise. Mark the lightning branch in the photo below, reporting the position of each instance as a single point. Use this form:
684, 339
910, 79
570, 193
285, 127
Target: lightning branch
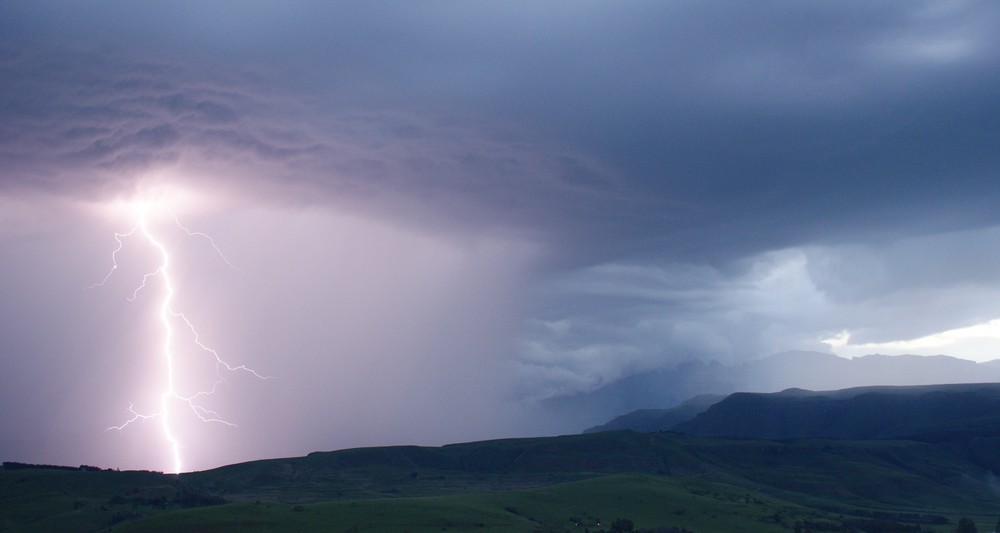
170, 319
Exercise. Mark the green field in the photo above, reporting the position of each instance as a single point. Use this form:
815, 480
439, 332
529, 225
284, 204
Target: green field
574, 483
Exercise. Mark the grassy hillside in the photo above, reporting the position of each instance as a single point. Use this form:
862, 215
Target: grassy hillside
544, 484
647, 501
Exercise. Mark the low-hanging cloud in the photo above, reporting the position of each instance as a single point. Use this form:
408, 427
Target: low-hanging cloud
614, 320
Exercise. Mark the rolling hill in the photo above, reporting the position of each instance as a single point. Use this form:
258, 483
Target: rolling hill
656, 481
864, 459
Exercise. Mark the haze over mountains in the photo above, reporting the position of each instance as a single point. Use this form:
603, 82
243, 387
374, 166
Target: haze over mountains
667, 388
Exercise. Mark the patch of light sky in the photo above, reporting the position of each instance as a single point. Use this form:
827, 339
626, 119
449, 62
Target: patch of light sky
979, 342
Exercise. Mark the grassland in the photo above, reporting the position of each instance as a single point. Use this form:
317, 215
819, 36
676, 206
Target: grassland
574, 483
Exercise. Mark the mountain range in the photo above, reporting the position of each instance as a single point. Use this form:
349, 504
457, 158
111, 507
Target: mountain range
668, 387
963, 413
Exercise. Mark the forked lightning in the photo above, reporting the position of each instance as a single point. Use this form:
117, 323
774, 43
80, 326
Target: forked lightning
169, 317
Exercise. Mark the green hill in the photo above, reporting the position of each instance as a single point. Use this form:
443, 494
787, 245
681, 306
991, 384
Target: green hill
654, 480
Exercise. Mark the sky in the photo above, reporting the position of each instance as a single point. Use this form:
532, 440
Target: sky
411, 222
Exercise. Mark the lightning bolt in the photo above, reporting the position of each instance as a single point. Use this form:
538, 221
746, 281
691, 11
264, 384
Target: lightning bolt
170, 319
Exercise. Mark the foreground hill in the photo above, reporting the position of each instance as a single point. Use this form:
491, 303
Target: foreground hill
568, 483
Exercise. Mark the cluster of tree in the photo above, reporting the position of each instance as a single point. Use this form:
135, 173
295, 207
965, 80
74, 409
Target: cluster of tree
624, 525
182, 498
14, 465
965, 525
912, 518
855, 525
121, 516
879, 526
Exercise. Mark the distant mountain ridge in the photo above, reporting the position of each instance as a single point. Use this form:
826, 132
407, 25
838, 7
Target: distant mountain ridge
652, 420
925, 413
928, 413
667, 388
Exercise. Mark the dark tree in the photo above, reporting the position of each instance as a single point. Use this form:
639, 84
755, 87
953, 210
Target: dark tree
966, 525
622, 525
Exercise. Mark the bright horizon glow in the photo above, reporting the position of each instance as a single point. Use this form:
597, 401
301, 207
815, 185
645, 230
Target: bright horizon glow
979, 343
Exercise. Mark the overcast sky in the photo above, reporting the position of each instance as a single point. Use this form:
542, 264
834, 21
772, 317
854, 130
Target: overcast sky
434, 214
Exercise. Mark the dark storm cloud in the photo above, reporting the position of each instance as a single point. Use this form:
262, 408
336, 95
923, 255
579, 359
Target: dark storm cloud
730, 128
88, 123
752, 126
81, 122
